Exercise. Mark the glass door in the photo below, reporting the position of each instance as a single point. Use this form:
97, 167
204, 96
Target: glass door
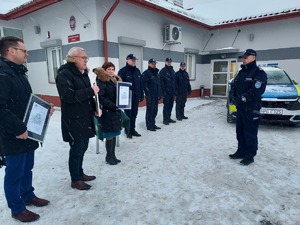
223, 71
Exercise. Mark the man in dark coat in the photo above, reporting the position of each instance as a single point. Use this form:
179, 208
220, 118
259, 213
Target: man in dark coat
167, 82
130, 73
246, 90
18, 150
77, 111
182, 90
151, 85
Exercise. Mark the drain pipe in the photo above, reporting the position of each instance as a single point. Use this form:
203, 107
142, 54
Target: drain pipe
105, 44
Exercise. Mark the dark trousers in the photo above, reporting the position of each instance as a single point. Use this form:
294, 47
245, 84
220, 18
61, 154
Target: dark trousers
180, 104
168, 101
76, 154
132, 113
151, 112
18, 180
247, 122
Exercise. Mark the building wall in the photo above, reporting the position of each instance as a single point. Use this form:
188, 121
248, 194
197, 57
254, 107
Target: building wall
276, 42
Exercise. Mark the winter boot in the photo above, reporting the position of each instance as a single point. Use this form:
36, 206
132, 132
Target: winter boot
109, 155
114, 150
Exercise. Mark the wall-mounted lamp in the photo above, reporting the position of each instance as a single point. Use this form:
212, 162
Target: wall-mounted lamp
37, 29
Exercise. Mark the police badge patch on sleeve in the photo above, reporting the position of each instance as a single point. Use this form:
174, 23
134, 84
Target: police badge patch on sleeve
258, 84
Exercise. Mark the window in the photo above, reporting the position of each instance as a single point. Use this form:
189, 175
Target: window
6, 31
54, 61
190, 60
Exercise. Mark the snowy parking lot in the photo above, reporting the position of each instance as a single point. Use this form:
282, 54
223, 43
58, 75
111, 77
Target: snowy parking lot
179, 175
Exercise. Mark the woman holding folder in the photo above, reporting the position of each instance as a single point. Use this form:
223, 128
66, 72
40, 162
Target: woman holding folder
110, 121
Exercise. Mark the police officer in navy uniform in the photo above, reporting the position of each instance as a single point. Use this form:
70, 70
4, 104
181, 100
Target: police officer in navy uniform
167, 82
130, 73
246, 90
151, 85
182, 90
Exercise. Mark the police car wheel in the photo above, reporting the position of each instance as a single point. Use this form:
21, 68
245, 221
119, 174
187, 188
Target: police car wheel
230, 118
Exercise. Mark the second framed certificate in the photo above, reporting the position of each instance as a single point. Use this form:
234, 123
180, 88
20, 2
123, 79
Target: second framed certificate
124, 95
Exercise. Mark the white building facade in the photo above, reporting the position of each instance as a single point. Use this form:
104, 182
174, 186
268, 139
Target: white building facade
211, 52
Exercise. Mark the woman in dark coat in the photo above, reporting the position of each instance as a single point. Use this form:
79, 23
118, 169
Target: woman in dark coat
111, 123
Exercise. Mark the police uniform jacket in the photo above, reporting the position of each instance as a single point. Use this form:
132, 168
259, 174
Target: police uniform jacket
133, 75
15, 93
167, 80
111, 116
182, 83
248, 86
151, 83
77, 103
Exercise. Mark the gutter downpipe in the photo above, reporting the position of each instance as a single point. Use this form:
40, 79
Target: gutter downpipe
105, 44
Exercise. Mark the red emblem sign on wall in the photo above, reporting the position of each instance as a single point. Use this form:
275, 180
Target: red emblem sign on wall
72, 23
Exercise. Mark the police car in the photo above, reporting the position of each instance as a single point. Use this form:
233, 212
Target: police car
281, 100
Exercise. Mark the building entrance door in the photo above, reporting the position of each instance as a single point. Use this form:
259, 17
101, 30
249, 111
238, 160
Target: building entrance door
222, 72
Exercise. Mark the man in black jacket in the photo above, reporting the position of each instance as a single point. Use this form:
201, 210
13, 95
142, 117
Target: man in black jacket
77, 111
167, 82
18, 150
246, 90
182, 90
130, 73
151, 84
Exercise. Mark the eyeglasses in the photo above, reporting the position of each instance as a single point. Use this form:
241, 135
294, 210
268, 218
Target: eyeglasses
23, 50
82, 57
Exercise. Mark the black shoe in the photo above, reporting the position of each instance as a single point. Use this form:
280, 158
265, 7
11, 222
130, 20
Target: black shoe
151, 129
156, 127
179, 119
166, 123
135, 133
236, 156
185, 117
172, 121
111, 161
129, 136
247, 161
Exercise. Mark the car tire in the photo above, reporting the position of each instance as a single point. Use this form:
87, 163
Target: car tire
230, 118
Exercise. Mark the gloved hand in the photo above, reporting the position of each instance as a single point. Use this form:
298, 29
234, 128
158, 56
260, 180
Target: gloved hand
159, 98
238, 100
2, 161
141, 99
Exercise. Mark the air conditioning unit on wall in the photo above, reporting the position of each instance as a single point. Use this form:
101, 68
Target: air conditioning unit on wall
172, 34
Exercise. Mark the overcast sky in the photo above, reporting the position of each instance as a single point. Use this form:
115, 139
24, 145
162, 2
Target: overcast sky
212, 10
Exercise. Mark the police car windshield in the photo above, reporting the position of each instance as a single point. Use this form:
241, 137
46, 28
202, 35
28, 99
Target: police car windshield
278, 77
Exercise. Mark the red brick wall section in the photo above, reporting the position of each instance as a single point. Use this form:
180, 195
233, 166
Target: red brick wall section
56, 101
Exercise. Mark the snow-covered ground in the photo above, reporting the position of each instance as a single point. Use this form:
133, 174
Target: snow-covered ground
180, 174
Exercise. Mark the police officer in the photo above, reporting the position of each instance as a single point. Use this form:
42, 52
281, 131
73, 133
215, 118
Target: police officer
182, 90
130, 73
151, 85
246, 90
167, 82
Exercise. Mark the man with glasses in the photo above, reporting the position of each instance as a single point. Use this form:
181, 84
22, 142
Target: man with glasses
130, 73
246, 90
77, 111
18, 150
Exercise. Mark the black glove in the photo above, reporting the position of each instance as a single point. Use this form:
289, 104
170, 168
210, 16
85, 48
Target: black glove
159, 98
2, 161
141, 99
238, 100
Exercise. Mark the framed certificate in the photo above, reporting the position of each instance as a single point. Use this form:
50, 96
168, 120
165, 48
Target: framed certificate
37, 117
124, 95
